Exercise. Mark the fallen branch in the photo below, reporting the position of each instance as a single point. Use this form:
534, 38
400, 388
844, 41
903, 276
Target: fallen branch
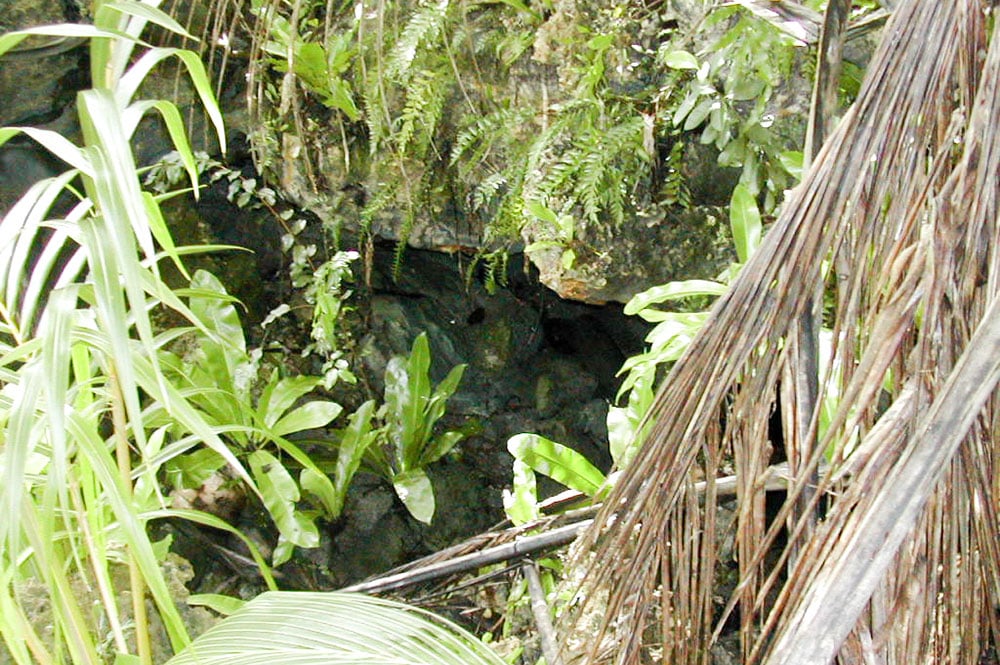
776, 479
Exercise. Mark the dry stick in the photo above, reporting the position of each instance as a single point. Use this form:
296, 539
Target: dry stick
540, 610
800, 401
777, 478
527, 545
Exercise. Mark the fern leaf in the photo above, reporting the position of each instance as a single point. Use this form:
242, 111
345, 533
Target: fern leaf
424, 102
423, 28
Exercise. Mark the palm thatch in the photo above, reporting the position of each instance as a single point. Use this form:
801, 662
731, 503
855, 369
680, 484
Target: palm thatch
897, 221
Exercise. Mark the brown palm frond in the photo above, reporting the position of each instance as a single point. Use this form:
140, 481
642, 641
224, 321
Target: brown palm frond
901, 201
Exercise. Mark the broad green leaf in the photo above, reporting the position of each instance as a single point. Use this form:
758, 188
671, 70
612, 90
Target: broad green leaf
559, 462
699, 113
521, 503
225, 350
685, 108
355, 440
334, 628
679, 60
542, 212
340, 97
311, 415
217, 602
567, 259
282, 395
673, 291
318, 484
744, 217
626, 428
407, 389
414, 489
792, 161
193, 469
433, 411
280, 493
211, 304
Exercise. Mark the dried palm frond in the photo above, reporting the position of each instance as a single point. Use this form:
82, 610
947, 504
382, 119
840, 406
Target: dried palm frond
901, 202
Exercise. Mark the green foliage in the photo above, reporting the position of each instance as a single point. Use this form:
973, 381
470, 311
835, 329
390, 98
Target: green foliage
79, 362
627, 425
219, 375
406, 442
447, 135
338, 628
536, 454
319, 64
730, 100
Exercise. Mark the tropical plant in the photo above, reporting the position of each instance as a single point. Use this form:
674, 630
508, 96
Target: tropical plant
897, 215
406, 442
218, 375
296, 628
80, 361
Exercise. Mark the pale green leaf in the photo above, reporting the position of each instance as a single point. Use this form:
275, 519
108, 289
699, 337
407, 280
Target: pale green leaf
318, 484
216, 602
311, 415
282, 395
699, 113
521, 502
559, 462
792, 161
354, 442
440, 446
314, 628
414, 489
542, 212
673, 291
680, 60
280, 493
744, 217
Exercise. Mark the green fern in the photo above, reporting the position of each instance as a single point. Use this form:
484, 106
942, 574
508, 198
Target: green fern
423, 29
674, 190
424, 100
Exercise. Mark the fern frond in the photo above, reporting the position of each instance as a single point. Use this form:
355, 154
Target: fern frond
488, 190
375, 111
423, 28
421, 113
592, 168
473, 142
675, 190
383, 198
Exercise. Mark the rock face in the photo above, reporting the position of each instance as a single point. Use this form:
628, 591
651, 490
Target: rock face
38, 82
455, 185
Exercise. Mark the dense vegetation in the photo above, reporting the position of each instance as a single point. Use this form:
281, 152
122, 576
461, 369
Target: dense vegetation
866, 314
